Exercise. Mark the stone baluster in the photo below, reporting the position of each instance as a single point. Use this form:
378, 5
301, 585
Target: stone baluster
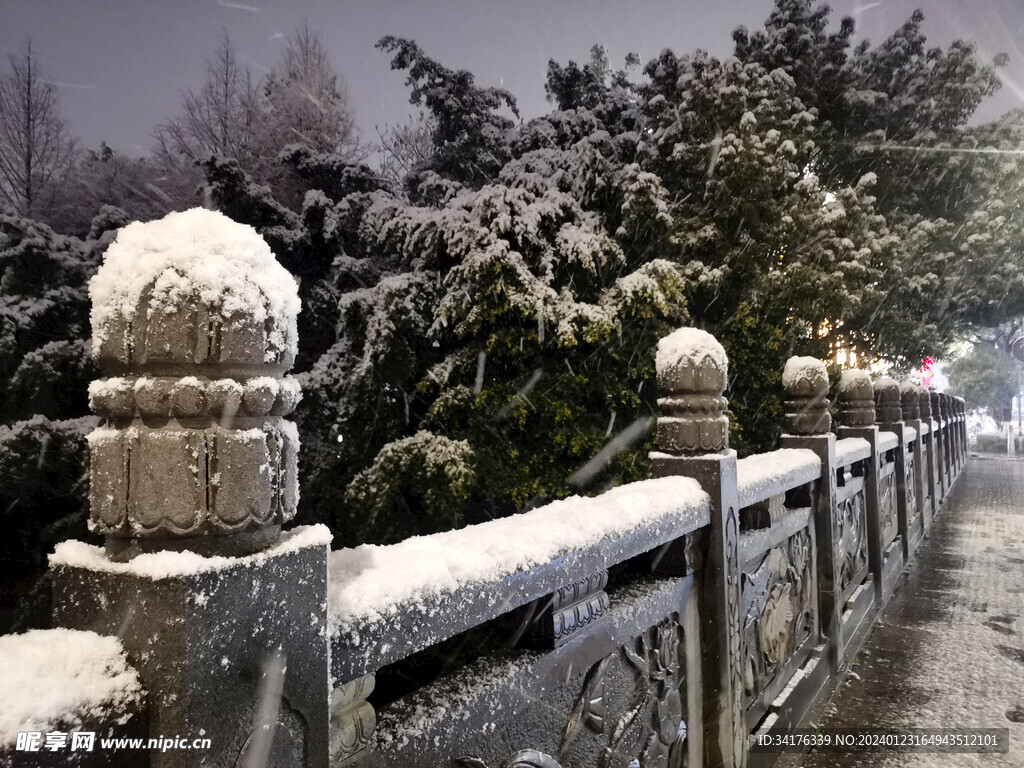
856, 400
806, 383
889, 416
888, 401
941, 415
194, 324
808, 422
931, 475
910, 404
194, 452
857, 419
962, 423
693, 440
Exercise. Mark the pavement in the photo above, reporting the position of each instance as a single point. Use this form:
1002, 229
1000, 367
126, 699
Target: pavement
948, 649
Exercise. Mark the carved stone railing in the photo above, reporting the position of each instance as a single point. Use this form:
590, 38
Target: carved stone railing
778, 582
663, 623
568, 630
858, 419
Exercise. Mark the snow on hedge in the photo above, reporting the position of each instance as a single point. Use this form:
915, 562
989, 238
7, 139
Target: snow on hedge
768, 474
57, 679
229, 265
370, 582
166, 565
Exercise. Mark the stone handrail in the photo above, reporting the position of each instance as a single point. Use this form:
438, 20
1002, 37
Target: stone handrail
386, 603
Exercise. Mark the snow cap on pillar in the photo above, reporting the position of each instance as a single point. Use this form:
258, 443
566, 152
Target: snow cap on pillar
910, 404
856, 399
194, 325
805, 380
887, 400
692, 370
924, 401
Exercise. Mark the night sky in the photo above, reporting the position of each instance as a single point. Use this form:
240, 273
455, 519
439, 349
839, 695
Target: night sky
122, 64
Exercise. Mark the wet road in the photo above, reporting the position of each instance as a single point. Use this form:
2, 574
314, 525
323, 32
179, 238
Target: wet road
948, 650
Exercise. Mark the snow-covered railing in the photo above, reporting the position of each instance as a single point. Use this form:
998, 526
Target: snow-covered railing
664, 621
764, 475
851, 449
776, 556
887, 441
387, 602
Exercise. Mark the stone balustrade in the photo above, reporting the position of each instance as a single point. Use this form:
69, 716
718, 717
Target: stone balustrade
670, 621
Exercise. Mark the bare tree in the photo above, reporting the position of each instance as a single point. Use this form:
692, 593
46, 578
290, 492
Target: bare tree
302, 101
219, 119
35, 149
404, 148
307, 101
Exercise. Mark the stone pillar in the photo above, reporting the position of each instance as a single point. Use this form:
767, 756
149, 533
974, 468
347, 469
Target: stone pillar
954, 438
961, 410
931, 475
808, 425
693, 440
946, 402
942, 443
192, 474
889, 417
954, 410
941, 438
194, 452
857, 419
910, 407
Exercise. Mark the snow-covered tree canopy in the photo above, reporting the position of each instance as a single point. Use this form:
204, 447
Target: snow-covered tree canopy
473, 342
490, 336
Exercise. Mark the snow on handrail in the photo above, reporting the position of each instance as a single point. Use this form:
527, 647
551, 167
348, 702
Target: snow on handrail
402, 594
909, 435
851, 449
768, 474
887, 441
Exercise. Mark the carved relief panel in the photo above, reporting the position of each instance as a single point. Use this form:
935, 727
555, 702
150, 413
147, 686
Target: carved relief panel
630, 709
887, 502
778, 610
853, 552
913, 515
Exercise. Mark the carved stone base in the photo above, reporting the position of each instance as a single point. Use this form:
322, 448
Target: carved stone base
352, 721
122, 549
232, 651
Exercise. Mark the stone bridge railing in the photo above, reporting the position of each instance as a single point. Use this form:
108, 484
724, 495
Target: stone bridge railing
666, 622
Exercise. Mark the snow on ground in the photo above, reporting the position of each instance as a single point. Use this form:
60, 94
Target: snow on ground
370, 582
165, 565
948, 652
56, 679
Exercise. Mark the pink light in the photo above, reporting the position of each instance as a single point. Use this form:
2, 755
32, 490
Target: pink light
926, 372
